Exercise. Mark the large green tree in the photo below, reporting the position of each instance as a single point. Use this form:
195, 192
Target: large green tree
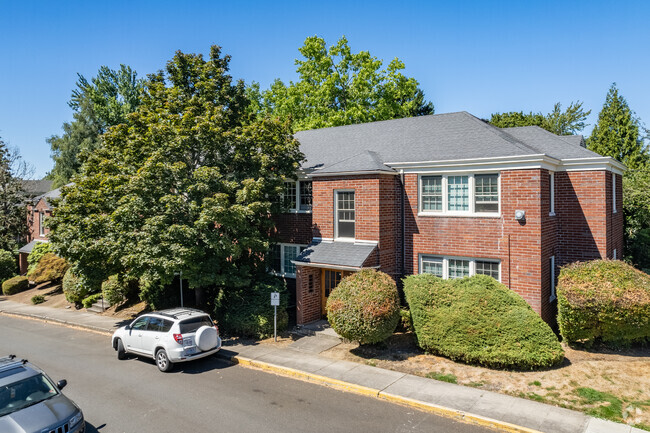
183, 185
636, 207
616, 133
567, 122
98, 104
338, 87
13, 217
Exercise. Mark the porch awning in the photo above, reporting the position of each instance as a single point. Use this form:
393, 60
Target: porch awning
345, 254
26, 249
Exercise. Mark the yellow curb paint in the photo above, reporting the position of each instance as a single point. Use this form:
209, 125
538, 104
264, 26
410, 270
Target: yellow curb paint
358, 389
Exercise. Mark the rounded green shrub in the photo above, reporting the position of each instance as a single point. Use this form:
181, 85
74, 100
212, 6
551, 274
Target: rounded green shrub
364, 307
248, 312
49, 268
38, 299
606, 301
115, 290
15, 285
38, 251
73, 287
90, 300
479, 321
8, 266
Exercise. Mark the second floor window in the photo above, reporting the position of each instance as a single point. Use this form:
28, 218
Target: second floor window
345, 215
297, 195
466, 194
41, 228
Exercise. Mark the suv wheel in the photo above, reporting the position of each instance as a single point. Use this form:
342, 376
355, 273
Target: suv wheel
121, 353
162, 361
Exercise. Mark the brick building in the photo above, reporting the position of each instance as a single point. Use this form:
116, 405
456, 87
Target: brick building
447, 194
38, 209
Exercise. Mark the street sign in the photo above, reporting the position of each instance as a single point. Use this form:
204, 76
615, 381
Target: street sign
275, 299
275, 302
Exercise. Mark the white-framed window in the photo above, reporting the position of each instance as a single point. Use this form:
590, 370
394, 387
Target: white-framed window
41, 227
553, 296
297, 196
280, 258
344, 214
459, 267
459, 194
614, 254
613, 192
551, 186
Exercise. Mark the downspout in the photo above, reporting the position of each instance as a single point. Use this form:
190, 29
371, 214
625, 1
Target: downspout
402, 217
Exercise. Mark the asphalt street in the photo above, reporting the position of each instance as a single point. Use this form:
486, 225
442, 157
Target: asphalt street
208, 395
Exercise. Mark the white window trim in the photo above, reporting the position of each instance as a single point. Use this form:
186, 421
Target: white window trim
297, 208
553, 296
613, 192
336, 216
41, 227
282, 273
445, 263
614, 255
445, 197
552, 198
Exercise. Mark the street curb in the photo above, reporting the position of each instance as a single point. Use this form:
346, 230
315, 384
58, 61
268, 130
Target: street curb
59, 321
443, 411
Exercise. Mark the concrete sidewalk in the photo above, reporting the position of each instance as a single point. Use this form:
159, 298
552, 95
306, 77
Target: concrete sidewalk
471, 405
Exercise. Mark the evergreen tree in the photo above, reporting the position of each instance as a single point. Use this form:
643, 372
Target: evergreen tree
617, 132
13, 217
567, 122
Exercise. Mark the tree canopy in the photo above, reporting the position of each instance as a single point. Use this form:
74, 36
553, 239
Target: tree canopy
567, 122
13, 222
338, 87
98, 104
183, 185
616, 133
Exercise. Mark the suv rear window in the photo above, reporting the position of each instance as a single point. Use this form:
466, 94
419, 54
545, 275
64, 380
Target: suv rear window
188, 326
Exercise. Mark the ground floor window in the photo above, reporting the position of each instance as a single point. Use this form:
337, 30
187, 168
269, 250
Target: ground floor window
459, 267
280, 259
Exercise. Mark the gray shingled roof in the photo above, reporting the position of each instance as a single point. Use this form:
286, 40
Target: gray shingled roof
436, 137
36, 187
27, 248
365, 161
336, 254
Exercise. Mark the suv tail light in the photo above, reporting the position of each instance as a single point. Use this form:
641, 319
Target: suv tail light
217, 328
178, 338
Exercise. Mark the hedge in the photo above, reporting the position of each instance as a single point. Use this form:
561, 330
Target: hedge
8, 266
116, 290
478, 320
38, 251
248, 312
606, 301
49, 268
364, 307
73, 287
15, 285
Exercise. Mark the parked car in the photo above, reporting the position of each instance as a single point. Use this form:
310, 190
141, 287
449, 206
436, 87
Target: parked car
169, 336
30, 402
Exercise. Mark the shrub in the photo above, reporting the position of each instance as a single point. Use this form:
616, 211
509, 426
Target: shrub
364, 307
39, 250
115, 290
606, 301
405, 321
8, 265
49, 268
73, 287
90, 300
38, 299
248, 312
480, 321
15, 285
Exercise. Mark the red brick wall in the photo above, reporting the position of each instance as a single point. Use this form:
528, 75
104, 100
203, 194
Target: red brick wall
549, 245
33, 217
308, 299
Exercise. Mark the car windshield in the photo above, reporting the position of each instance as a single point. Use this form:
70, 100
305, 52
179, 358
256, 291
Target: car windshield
188, 326
26, 392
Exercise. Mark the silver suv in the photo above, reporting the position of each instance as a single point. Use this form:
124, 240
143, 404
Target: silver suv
169, 336
31, 403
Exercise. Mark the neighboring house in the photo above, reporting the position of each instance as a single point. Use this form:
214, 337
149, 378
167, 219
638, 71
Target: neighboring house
447, 194
38, 209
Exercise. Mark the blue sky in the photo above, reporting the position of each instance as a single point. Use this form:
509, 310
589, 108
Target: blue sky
478, 56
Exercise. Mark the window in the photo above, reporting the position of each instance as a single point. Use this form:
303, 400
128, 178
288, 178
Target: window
431, 193
159, 325
614, 255
458, 267
140, 324
297, 196
614, 192
280, 258
491, 269
459, 195
486, 193
551, 185
553, 280
41, 228
193, 324
345, 216
432, 265
305, 194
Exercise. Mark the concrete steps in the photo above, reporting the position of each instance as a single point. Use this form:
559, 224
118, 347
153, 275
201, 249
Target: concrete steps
98, 307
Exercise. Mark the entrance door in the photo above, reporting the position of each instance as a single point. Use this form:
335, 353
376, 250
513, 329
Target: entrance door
330, 279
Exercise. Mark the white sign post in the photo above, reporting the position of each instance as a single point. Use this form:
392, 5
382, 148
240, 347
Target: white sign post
275, 301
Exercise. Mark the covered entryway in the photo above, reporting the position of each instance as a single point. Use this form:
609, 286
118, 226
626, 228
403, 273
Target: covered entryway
320, 268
